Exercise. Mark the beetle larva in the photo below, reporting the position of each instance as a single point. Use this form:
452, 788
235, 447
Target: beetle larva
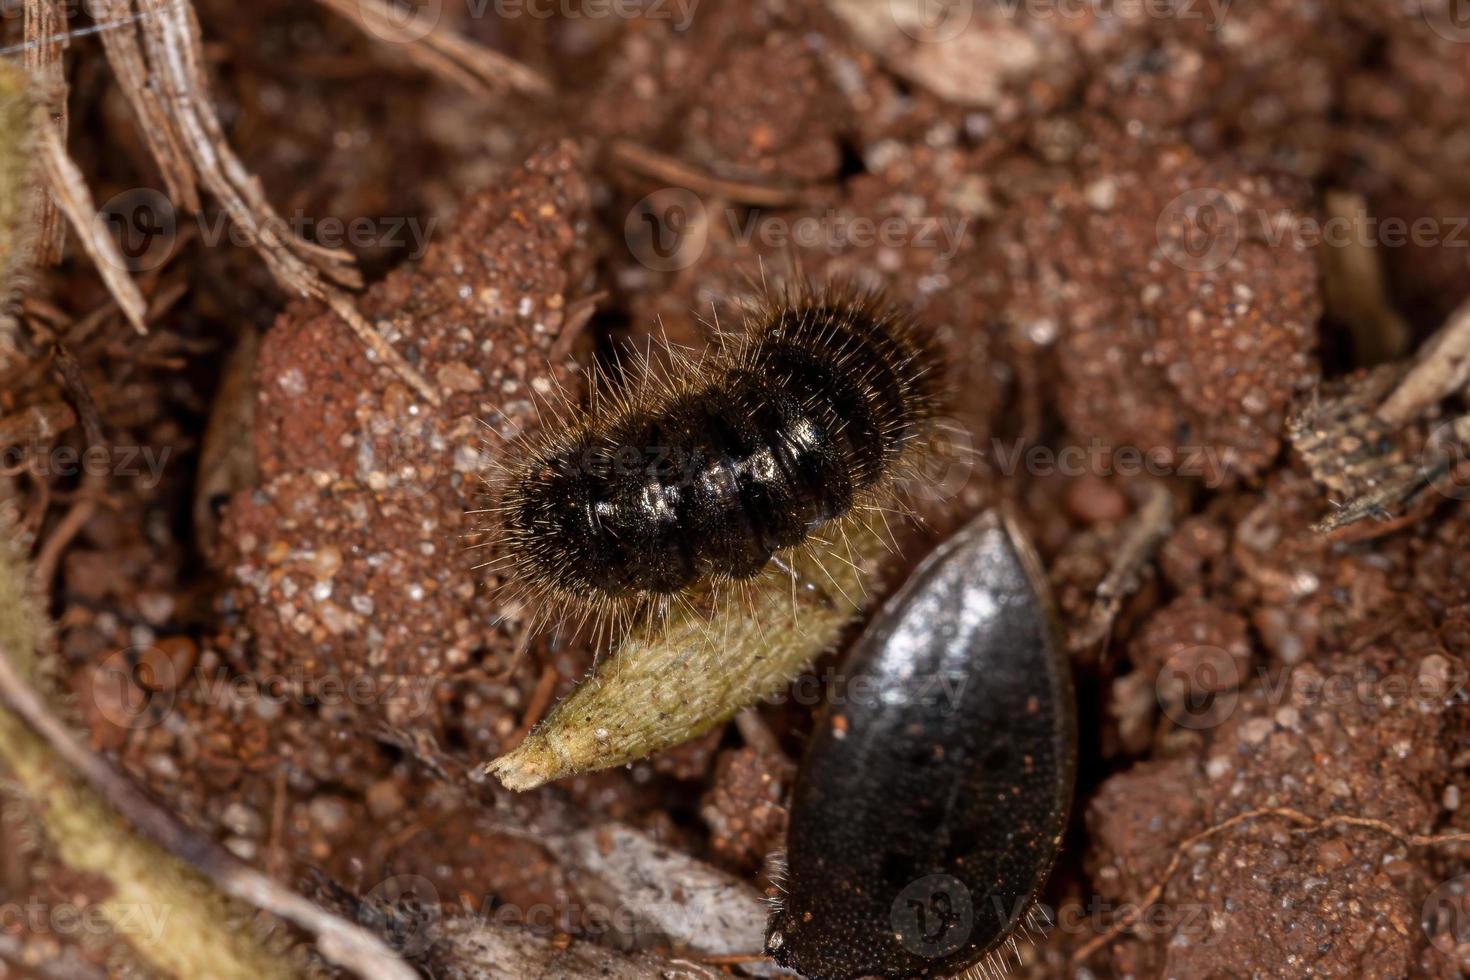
928, 814
803, 419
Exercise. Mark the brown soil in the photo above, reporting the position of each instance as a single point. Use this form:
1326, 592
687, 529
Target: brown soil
312, 663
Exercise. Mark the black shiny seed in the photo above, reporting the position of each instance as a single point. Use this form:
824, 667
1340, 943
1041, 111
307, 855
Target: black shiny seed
924, 825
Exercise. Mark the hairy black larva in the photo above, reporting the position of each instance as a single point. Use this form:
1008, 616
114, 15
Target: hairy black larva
802, 417
923, 826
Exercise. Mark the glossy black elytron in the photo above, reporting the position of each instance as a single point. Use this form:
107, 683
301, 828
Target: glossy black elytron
931, 801
713, 476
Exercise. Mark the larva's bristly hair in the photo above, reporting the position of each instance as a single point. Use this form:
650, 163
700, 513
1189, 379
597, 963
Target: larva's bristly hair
803, 418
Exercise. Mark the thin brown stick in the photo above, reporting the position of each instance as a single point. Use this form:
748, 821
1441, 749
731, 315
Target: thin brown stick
1154, 521
36, 423
344, 307
666, 168
159, 129
540, 700
45, 39
69, 192
340, 941
93, 482
1309, 824
1355, 285
1442, 369
458, 60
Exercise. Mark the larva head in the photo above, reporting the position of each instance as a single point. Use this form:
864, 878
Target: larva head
549, 521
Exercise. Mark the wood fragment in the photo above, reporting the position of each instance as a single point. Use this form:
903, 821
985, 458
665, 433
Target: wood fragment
36, 424
1145, 532
45, 39
1355, 291
69, 193
673, 899
458, 60
1371, 468
1442, 369
676, 172
158, 127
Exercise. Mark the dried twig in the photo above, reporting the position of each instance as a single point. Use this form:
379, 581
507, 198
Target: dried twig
36, 423
158, 126
1355, 289
1442, 369
69, 192
459, 60
540, 701
93, 482
341, 942
175, 55
1309, 824
44, 40
676, 172
1147, 530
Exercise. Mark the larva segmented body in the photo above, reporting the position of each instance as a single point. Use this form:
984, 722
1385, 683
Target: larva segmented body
807, 413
